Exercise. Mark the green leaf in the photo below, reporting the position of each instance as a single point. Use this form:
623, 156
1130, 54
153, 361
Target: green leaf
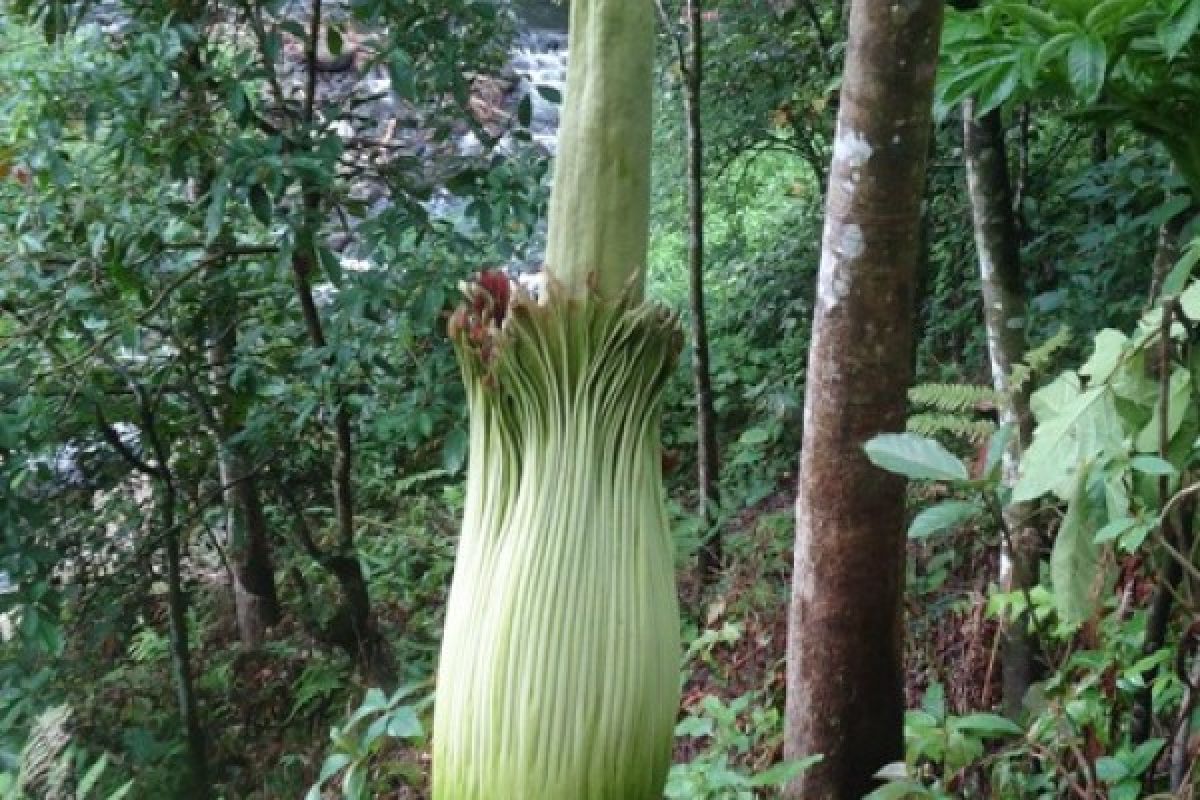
1154, 465
1110, 770
941, 517
1174, 282
1053, 48
403, 723
91, 776
1175, 32
374, 700
956, 85
1126, 790
914, 456
784, 771
997, 447
333, 765
900, 790
1105, 15
754, 436
332, 265
1040, 21
997, 87
354, 782
1114, 529
216, 208
1140, 759
987, 725
1189, 301
1075, 560
333, 40
695, 726
1087, 60
934, 701
1110, 346
400, 70
123, 790
1074, 427
1179, 392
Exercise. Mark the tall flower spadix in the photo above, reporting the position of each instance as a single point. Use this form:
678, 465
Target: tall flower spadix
558, 677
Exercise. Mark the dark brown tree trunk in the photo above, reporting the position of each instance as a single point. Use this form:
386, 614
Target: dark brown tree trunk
997, 245
845, 680
707, 461
248, 543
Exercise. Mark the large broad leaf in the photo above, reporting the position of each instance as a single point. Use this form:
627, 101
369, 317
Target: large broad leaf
1179, 392
1189, 301
942, 517
1075, 572
1074, 427
1176, 279
900, 790
914, 456
1110, 347
784, 771
1175, 31
997, 86
1087, 59
987, 725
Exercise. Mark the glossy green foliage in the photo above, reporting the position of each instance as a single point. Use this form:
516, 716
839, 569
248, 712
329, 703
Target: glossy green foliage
1120, 60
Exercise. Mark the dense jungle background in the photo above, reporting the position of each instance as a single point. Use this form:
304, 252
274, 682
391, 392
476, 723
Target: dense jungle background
233, 434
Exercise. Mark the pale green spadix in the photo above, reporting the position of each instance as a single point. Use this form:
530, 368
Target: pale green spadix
559, 671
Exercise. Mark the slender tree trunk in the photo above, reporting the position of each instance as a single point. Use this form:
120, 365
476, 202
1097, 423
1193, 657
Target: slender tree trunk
248, 543
1166, 253
248, 547
707, 460
845, 678
997, 245
181, 659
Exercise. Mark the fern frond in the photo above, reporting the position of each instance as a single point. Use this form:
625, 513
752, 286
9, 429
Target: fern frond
934, 424
953, 397
1037, 359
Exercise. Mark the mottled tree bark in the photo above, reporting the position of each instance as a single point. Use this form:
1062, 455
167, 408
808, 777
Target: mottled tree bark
845, 680
997, 246
707, 461
248, 545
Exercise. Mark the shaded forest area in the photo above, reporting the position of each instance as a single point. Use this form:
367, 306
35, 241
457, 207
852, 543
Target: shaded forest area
310, 308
